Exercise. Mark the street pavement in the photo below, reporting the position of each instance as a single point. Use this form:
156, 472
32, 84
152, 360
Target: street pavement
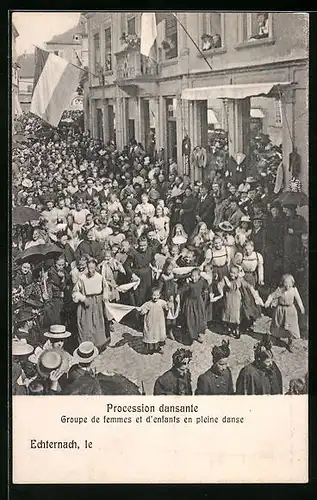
126, 355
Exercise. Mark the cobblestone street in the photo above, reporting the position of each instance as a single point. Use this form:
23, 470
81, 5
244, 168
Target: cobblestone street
126, 355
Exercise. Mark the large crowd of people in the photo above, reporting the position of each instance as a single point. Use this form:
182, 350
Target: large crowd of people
122, 234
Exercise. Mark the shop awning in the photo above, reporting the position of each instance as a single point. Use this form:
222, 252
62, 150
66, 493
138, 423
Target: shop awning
240, 91
256, 113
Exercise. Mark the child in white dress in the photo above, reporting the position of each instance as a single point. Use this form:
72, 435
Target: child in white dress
154, 330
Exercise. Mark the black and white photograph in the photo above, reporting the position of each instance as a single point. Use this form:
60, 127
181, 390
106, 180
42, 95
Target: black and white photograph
159, 187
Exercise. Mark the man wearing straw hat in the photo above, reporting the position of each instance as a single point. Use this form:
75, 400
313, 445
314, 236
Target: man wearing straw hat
52, 367
83, 357
56, 337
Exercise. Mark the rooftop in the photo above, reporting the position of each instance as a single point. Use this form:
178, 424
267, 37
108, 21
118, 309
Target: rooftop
66, 38
27, 64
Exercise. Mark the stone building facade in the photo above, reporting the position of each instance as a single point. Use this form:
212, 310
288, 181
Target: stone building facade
259, 71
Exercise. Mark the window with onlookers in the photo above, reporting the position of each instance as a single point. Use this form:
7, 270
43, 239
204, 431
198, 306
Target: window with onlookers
170, 43
212, 31
108, 49
257, 26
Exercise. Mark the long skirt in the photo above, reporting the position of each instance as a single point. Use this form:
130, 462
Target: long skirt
91, 321
53, 312
250, 278
143, 292
285, 322
194, 316
209, 310
221, 271
231, 312
250, 310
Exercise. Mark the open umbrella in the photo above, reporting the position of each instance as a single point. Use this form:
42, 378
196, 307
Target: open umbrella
21, 215
19, 138
293, 196
298, 199
17, 145
39, 253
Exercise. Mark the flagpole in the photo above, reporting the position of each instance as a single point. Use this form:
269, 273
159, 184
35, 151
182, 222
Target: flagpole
197, 47
78, 67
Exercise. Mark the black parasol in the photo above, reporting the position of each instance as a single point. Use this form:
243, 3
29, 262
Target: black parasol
39, 253
21, 215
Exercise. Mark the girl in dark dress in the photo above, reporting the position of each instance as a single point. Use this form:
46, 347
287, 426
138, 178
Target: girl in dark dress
188, 212
193, 306
54, 315
273, 255
212, 296
169, 292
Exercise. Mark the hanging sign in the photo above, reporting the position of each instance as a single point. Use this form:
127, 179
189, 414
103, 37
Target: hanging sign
186, 155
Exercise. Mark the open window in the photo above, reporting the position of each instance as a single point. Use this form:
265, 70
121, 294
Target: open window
257, 26
212, 27
131, 26
170, 43
108, 49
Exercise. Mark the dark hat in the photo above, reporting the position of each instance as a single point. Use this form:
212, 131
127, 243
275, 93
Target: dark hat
263, 349
23, 314
220, 352
259, 216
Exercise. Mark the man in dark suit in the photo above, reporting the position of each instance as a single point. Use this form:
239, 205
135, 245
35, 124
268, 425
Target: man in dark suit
91, 192
218, 379
206, 207
177, 380
258, 234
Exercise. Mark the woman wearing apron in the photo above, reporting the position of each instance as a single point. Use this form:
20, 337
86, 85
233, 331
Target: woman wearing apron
218, 257
252, 264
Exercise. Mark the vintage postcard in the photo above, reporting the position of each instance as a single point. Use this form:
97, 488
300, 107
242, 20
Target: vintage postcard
159, 247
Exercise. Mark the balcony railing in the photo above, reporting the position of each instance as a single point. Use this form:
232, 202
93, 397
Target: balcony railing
132, 65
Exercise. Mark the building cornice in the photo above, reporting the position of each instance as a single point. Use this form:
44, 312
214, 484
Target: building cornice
220, 72
238, 69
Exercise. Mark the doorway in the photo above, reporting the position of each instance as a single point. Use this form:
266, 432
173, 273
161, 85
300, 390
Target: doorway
131, 126
111, 126
146, 118
171, 129
99, 124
